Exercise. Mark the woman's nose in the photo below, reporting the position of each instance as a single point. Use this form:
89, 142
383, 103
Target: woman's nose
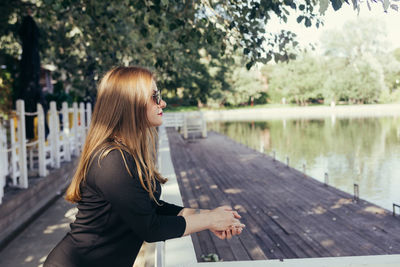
163, 104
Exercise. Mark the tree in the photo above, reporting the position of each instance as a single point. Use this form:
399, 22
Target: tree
362, 81
298, 81
84, 38
237, 85
361, 67
356, 39
390, 63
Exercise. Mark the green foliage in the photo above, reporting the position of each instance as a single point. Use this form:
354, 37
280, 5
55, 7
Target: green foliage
235, 85
59, 96
355, 68
212, 257
396, 54
391, 68
83, 39
311, 79
356, 39
5, 91
358, 73
298, 81
362, 81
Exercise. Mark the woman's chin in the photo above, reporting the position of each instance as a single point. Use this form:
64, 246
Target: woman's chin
156, 123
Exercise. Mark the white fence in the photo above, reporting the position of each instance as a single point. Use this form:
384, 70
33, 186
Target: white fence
65, 139
188, 123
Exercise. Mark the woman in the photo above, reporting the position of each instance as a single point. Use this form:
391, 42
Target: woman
117, 186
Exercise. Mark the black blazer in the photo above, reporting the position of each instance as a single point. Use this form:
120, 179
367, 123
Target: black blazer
115, 216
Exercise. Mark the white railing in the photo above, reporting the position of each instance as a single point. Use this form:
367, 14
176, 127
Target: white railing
17, 155
179, 252
173, 119
188, 123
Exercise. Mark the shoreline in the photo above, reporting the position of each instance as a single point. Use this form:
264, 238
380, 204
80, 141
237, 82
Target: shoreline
257, 114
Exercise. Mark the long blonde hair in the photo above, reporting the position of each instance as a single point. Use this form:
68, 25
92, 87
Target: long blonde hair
120, 111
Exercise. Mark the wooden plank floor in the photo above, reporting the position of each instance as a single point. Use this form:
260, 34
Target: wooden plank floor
287, 214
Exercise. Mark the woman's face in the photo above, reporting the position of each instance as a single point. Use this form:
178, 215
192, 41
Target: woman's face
154, 109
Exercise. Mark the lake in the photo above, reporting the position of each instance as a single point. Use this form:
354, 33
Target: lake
363, 151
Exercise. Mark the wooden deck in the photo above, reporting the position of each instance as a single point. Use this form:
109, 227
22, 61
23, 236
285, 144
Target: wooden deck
287, 214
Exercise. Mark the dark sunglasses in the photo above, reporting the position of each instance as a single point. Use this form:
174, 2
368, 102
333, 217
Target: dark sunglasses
157, 97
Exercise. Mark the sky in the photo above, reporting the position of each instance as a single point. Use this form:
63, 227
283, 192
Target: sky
336, 19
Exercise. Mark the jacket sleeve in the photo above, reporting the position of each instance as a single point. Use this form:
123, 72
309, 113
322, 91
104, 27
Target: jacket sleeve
132, 202
168, 208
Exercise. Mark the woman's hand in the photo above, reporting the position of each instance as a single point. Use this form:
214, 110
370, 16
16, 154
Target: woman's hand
228, 233
232, 231
222, 221
225, 219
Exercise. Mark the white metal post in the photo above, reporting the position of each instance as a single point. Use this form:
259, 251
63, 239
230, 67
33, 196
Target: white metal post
66, 132
41, 141
54, 131
23, 179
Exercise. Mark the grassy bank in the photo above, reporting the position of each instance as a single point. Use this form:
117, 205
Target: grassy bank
263, 106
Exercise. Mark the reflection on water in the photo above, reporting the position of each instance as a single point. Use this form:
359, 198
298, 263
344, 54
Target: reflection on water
365, 151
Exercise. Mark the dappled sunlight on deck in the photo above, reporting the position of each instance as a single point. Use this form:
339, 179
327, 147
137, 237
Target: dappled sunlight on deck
29, 258
317, 210
341, 202
71, 213
232, 191
327, 243
51, 228
375, 210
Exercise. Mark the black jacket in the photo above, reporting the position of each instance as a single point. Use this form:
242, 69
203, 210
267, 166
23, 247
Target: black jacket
115, 216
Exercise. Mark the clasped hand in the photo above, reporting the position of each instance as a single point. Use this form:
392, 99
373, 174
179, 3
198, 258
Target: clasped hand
226, 222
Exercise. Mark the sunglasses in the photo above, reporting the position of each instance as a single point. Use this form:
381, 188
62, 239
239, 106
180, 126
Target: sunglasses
157, 97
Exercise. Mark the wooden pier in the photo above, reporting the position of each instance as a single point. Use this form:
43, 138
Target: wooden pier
287, 214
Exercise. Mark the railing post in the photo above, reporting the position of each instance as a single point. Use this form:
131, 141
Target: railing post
262, 149
204, 124
82, 124
160, 255
88, 115
23, 178
394, 208
176, 122
14, 158
326, 179
185, 127
3, 159
41, 141
66, 132
356, 193
54, 131
75, 129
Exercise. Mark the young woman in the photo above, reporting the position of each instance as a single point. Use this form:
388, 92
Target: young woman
117, 186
